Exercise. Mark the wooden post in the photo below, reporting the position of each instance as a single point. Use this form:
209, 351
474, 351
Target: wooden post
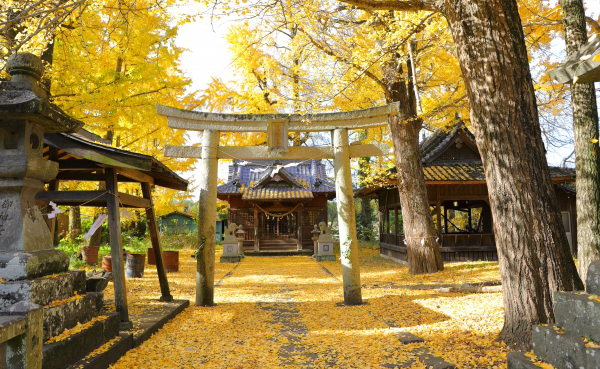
438, 212
346, 219
207, 217
256, 247
154, 237
116, 249
299, 227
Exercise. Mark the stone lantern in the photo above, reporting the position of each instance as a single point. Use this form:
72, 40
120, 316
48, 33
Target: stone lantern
315, 237
26, 249
240, 239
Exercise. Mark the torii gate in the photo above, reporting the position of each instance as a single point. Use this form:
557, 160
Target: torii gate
277, 127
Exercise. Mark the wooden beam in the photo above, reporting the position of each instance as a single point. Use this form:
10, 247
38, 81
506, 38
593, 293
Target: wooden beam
154, 238
135, 175
262, 152
77, 164
88, 177
89, 198
200, 121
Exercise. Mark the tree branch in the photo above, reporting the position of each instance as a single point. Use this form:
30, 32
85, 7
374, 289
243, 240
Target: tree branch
405, 5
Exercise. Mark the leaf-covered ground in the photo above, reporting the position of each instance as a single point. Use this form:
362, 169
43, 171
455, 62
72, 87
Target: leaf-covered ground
282, 311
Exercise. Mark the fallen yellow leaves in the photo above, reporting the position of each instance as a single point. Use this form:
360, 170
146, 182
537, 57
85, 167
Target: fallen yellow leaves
78, 328
64, 301
281, 311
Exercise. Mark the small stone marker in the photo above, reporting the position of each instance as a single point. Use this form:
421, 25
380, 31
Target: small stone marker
325, 244
592, 282
230, 245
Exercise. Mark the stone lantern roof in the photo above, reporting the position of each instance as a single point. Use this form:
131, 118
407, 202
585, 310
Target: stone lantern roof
23, 97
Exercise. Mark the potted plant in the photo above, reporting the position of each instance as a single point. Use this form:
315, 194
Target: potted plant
89, 254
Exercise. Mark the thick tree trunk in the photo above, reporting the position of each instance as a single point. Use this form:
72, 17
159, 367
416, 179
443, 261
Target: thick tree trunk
534, 254
587, 160
422, 247
74, 221
423, 251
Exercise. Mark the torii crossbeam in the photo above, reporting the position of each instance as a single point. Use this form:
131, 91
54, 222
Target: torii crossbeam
277, 127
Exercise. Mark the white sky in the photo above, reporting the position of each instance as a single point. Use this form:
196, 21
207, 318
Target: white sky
208, 56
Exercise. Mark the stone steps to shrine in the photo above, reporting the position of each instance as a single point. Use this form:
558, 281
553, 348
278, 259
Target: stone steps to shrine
572, 341
79, 345
42, 291
67, 308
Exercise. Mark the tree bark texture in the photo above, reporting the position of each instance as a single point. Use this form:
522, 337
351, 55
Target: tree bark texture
533, 250
585, 127
422, 247
74, 221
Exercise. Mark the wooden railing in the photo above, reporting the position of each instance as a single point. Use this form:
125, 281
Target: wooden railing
448, 240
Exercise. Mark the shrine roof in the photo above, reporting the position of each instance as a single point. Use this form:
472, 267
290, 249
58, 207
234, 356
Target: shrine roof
77, 153
276, 179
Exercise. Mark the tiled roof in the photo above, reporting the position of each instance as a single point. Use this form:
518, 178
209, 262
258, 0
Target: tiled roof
275, 194
302, 180
457, 171
473, 171
432, 145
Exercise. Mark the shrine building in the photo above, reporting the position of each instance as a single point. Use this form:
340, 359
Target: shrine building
459, 201
277, 202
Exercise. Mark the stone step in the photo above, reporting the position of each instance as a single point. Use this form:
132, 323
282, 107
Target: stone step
578, 313
563, 348
108, 356
42, 291
68, 313
63, 353
518, 360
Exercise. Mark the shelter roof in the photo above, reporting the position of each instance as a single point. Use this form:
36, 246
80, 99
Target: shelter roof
187, 215
75, 153
266, 179
451, 157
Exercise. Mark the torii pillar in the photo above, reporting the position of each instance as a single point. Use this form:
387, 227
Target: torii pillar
207, 215
346, 218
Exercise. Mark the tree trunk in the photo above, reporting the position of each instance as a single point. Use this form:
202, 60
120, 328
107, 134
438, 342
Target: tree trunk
585, 127
422, 247
534, 254
74, 221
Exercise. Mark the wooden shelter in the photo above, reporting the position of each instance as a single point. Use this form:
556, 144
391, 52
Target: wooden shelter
277, 202
458, 196
80, 159
177, 222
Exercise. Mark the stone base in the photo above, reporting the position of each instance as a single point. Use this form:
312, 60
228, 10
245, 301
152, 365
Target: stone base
230, 259
518, 360
325, 258
35, 264
41, 291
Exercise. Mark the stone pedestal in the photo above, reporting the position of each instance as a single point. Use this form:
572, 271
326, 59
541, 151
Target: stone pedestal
324, 244
325, 252
230, 253
230, 245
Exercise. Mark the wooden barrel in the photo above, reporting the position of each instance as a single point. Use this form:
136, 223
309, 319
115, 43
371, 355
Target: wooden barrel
90, 254
107, 263
134, 267
151, 258
171, 260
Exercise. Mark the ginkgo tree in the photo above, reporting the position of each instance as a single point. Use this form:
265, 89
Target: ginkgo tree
108, 63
